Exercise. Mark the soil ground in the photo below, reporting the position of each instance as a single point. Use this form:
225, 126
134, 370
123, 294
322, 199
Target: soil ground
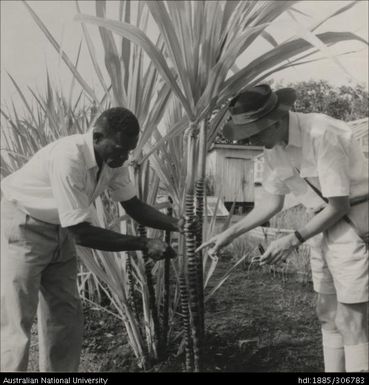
256, 322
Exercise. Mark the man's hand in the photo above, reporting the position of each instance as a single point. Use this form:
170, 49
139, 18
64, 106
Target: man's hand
279, 250
195, 225
215, 243
181, 224
157, 250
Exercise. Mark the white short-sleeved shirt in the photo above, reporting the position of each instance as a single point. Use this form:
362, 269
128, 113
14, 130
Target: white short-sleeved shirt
325, 152
59, 183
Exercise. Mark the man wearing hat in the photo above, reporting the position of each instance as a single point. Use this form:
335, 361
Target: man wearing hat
316, 158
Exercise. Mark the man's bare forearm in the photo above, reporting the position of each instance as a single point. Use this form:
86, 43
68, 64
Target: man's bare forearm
151, 217
254, 218
323, 221
101, 239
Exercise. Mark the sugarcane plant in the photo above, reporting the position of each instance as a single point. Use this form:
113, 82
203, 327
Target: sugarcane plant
191, 65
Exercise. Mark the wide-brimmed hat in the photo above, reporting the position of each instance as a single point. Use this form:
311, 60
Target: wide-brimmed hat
255, 109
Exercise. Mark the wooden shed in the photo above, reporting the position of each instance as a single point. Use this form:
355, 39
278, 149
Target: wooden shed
230, 172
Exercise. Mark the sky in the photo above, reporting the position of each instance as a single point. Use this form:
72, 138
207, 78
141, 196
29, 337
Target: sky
26, 53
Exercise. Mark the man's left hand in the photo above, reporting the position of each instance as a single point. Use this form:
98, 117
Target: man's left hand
279, 250
194, 226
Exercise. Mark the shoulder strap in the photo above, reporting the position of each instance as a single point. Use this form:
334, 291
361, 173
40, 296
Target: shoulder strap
317, 191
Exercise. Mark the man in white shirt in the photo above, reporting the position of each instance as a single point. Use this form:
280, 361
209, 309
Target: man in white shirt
316, 158
45, 211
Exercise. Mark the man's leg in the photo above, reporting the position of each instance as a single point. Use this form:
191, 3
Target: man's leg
20, 280
60, 313
333, 347
333, 350
352, 321
347, 257
19, 298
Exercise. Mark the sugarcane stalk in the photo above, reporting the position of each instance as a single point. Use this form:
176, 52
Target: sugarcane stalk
152, 297
133, 305
149, 279
131, 290
166, 294
199, 194
186, 323
192, 264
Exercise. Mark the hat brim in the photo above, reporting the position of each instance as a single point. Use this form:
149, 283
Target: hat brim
234, 132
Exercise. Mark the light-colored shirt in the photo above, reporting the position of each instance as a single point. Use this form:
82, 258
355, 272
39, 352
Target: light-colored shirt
324, 151
59, 183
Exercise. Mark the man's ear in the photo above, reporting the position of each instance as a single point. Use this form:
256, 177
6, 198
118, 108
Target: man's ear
97, 136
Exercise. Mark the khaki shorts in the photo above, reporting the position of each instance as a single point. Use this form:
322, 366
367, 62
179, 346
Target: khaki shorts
340, 261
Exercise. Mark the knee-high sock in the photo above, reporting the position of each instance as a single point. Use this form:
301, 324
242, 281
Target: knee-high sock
357, 357
333, 351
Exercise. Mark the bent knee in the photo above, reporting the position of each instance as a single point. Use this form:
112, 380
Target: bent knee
352, 321
352, 315
326, 311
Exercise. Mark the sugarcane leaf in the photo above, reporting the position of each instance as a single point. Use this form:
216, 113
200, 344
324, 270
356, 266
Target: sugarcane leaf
138, 37
274, 57
92, 52
126, 44
64, 56
24, 99
335, 13
167, 29
225, 277
269, 38
74, 79
316, 42
112, 61
179, 127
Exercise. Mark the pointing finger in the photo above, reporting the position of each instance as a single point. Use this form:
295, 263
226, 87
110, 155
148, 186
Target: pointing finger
265, 258
205, 244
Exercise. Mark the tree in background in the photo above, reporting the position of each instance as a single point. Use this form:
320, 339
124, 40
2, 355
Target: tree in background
344, 102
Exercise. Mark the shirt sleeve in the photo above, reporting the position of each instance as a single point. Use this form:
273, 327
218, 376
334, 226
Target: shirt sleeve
271, 181
67, 183
333, 163
121, 187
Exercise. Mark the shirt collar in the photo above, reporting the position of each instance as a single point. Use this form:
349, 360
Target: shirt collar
88, 151
294, 130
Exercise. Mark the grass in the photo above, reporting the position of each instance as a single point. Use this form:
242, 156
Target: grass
298, 263
292, 218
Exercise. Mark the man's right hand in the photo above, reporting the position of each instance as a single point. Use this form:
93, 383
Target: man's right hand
215, 243
157, 250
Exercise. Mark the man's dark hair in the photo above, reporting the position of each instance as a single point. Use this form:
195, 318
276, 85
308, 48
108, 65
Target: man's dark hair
118, 119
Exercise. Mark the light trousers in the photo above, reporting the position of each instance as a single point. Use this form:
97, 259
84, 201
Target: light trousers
38, 270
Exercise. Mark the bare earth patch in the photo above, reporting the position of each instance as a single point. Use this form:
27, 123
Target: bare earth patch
256, 322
